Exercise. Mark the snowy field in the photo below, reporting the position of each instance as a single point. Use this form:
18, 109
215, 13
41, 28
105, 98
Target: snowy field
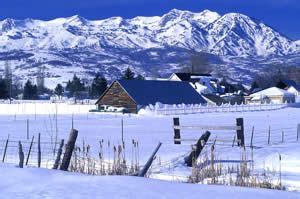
44, 108
41, 183
148, 130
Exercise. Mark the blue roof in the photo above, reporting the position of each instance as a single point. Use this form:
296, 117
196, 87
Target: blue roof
289, 82
145, 92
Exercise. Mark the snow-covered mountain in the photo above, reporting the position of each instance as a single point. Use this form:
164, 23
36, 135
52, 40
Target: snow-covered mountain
74, 44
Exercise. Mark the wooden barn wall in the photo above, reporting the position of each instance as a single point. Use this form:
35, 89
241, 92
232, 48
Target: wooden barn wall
117, 97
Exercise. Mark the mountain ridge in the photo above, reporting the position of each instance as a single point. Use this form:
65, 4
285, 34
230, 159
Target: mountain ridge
147, 32
111, 44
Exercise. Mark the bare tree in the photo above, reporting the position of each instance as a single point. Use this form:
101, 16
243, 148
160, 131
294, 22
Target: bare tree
293, 73
271, 75
40, 79
198, 63
8, 78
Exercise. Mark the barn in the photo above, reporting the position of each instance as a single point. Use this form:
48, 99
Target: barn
136, 94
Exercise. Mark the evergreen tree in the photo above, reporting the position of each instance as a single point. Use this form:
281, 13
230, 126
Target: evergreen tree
98, 87
30, 91
140, 77
3, 89
254, 85
128, 74
75, 86
59, 90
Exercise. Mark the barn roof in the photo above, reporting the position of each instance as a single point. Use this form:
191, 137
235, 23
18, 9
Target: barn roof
145, 92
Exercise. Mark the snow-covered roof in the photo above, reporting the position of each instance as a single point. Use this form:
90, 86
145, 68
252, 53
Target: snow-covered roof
273, 91
188, 76
199, 87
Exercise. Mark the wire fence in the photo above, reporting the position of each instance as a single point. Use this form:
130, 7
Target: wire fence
96, 164
9, 150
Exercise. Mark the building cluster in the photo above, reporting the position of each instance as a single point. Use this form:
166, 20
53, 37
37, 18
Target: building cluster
188, 88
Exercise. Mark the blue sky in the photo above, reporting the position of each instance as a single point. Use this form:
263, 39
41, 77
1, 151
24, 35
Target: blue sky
283, 15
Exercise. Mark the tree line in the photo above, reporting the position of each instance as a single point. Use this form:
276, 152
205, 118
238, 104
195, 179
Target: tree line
75, 87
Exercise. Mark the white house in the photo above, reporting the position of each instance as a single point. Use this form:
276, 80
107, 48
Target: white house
290, 86
190, 77
203, 83
294, 90
271, 95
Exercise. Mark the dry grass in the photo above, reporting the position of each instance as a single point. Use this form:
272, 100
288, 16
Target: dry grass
210, 171
115, 163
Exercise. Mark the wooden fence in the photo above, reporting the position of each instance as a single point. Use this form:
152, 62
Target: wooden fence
255, 138
238, 129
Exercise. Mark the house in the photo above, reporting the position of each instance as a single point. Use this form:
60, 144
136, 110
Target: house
136, 94
55, 98
189, 77
271, 95
212, 84
233, 99
235, 88
213, 99
44, 96
203, 83
290, 86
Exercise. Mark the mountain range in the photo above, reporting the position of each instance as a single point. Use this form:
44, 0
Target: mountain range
152, 46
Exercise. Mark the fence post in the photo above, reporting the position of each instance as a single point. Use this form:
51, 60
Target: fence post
269, 136
21, 155
233, 140
27, 127
143, 172
212, 161
59, 152
122, 130
5, 149
240, 132
29, 151
189, 160
282, 136
176, 131
298, 132
251, 145
39, 150
69, 150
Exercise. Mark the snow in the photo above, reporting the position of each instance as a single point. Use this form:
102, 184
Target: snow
200, 88
41, 183
86, 46
207, 15
149, 129
153, 29
273, 91
38, 108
